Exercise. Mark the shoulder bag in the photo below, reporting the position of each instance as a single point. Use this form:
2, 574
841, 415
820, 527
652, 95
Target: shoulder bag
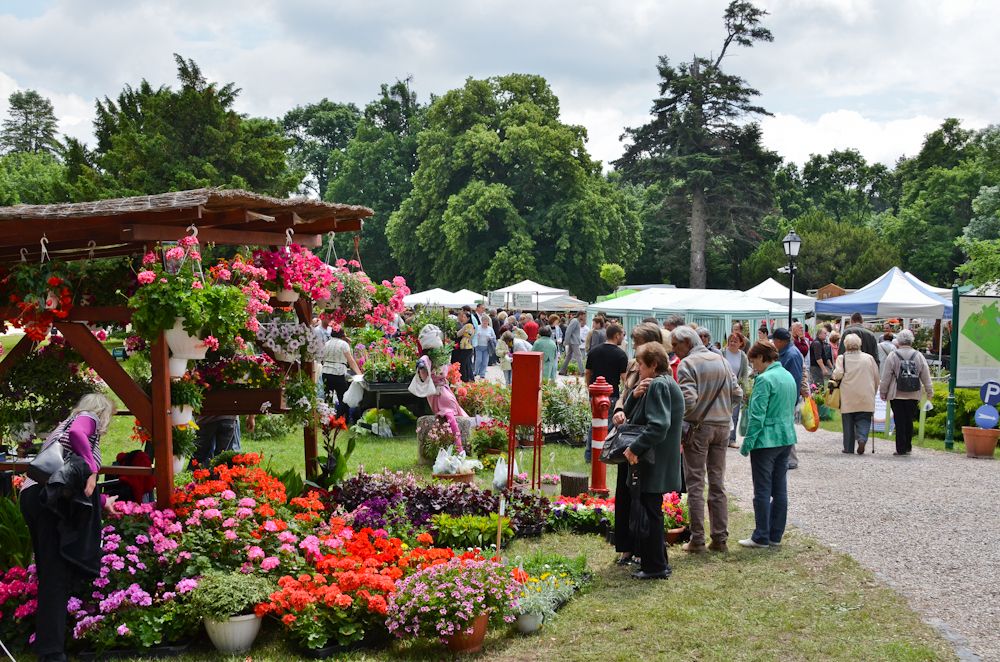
620, 439
833, 388
48, 461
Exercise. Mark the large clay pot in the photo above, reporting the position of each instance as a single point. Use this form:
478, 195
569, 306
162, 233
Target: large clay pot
528, 623
235, 635
287, 296
182, 344
457, 478
181, 415
980, 442
470, 643
674, 536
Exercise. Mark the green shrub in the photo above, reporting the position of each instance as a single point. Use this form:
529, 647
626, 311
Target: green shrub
16, 548
469, 531
268, 427
966, 402
221, 595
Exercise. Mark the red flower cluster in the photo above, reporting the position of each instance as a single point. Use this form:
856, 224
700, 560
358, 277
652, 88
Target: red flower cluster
245, 477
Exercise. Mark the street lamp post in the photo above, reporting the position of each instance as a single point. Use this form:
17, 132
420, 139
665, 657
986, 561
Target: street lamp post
791, 243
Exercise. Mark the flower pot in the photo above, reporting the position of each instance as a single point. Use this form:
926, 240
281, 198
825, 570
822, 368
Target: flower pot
180, 464
457, 478
287, 296
528, 623
471, 642
235, 635
177, 367
674, 536
286, 357
182, 344
550, 490
181, 415
980, 442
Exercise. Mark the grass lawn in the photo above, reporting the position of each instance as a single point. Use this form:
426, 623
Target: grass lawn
805, 602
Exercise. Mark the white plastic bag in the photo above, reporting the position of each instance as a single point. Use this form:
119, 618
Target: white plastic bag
446, 462
500, 474
355, 392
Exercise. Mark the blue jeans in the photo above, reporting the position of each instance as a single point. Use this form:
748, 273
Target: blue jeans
770, 493
508, 377
736, 422
857, 425
482, 359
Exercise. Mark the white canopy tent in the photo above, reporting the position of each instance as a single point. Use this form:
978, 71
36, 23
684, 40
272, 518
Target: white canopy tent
894, 294
436, 297
560, 303
775, 292
530, 287
473, 297
516, 296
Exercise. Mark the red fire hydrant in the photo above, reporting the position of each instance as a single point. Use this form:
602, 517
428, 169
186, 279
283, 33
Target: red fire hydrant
600, 403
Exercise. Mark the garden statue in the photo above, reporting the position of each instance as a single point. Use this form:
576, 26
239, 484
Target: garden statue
431, 380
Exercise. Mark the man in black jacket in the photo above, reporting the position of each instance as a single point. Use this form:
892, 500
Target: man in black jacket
869, 343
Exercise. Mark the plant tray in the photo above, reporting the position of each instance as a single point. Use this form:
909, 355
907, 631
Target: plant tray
388, 387
243, 401
126, 653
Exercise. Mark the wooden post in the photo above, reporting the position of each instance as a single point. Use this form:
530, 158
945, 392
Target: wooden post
163, 443
16, 353
309, 440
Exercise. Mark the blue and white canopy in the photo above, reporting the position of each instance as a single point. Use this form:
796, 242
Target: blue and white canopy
894, 294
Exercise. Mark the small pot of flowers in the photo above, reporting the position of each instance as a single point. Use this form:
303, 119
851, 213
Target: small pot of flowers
539, 599
185, 443
226, 601
185, 398
550, 484
453, 602
675, 518
490, 438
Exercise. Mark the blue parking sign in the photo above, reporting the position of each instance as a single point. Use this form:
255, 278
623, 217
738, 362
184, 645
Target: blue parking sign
990, 393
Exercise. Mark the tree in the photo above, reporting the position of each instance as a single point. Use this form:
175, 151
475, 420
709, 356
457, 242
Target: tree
845, 186
698, 146
30, 125
831, 252
320, 133
985, 223
505, 191
376, 171
612, 274
156, 140
31, 178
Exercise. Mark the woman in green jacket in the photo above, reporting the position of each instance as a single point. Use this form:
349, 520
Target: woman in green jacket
657, 403
769, 441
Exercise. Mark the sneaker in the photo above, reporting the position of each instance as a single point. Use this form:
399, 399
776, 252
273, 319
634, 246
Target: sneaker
733, 444
691, 548
753, 544
776, 546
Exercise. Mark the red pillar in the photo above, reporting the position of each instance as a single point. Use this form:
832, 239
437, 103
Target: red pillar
600, 404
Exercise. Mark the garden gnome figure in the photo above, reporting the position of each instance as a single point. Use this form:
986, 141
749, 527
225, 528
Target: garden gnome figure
433, 383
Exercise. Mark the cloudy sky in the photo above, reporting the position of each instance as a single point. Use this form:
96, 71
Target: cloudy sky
871, 74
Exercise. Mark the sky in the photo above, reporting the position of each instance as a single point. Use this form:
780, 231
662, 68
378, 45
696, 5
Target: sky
874, 75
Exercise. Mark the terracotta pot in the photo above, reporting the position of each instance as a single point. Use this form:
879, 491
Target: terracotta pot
493, 451
457, 478
235, 635
181, 415
470, 643
177, 367
980, 442
182, 344
674, 536
287, 296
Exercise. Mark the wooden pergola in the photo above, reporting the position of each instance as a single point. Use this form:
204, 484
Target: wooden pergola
130, 227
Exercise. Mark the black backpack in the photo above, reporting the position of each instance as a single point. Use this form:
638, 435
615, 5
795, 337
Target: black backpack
908, 378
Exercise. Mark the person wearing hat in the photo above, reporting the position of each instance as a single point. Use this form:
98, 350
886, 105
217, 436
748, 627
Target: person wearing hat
791, 360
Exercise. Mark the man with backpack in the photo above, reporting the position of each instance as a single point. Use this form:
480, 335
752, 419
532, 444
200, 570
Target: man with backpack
905, 377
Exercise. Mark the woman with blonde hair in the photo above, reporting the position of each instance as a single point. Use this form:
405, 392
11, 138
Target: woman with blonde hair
857, 374
66, 548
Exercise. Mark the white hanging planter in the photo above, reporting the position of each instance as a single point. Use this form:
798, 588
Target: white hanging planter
528, 623
177, 366
182, 344
286, 357
181, 415
287, 296
235, 635
180, 463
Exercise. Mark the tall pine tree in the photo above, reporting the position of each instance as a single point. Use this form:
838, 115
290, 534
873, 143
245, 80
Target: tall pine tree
710, 163
30, 125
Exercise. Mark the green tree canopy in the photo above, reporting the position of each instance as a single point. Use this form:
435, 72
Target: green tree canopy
832, 252
699, 148
612, 274
377, 169
155, 140
505, 191
320, 133
30, 125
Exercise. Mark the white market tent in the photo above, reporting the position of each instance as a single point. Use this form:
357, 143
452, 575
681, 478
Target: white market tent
560, 303
473, 297
436, 297
894, 294
714, 309
775, 292
943, 292
539, 294
530, 287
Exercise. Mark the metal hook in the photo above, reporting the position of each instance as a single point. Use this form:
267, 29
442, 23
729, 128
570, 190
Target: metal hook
45, 251
288, 236
193, 229
91, 245
24, 255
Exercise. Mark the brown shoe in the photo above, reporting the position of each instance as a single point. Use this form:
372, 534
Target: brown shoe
693, 549
861, 448
718, 547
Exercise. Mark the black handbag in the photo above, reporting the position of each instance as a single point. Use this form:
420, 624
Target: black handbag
621, 438
48, 461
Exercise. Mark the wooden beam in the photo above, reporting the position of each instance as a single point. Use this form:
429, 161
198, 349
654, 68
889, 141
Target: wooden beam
98, 358
84, 314
140, 233
21, 466
30, 230
15, 354
162, 435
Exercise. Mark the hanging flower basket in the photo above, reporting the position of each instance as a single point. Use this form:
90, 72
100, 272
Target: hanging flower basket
181, 415
177, 367
180, 463
286, 295
182, 344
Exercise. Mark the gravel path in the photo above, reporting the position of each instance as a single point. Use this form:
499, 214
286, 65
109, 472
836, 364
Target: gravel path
927, 524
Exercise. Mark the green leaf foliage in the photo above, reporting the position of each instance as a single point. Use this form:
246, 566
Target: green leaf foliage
467, 531
221, 595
